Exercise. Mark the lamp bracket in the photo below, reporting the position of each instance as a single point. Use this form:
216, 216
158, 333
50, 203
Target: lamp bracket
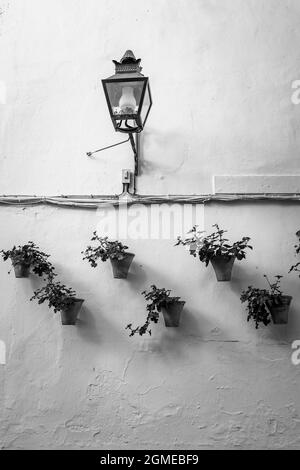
135, 144
90, 154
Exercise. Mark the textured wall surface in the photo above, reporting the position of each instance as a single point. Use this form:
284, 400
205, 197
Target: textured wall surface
221, 74
214, 382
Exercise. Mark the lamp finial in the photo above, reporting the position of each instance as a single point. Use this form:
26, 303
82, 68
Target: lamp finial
128, 63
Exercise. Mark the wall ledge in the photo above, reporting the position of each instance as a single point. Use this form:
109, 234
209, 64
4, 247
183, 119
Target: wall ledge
256, 184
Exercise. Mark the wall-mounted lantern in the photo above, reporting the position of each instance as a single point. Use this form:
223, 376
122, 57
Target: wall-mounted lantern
128, 98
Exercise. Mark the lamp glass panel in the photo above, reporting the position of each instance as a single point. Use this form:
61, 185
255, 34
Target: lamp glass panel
146, 105
125, 97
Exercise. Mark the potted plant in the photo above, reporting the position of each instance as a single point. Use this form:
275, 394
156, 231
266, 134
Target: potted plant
28, 257
266, 304
106, 249
159, 300
215, 248
61, 298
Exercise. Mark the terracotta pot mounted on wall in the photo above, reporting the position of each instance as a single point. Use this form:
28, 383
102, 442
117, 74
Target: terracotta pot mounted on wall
21, 270
280, 312
121, 267
172, 313
69, 315
223, 267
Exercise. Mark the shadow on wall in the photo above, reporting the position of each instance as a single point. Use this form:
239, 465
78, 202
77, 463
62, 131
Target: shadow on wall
140, 273
87, 327
171, 343
162, 140
137, 275
172, 340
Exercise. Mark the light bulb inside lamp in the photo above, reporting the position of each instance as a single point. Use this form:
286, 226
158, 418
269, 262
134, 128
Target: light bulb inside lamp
127, 101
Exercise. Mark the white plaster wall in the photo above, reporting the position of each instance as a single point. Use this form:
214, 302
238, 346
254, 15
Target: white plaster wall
221, 74
215, 382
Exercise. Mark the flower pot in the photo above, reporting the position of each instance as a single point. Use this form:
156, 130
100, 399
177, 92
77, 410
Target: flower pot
70, 314
172, 313
121, 267
280, 312
21, 269
223, 267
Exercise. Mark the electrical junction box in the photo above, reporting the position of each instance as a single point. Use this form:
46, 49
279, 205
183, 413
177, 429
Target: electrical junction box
126, 176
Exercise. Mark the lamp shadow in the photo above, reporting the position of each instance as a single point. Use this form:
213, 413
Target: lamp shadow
161, 140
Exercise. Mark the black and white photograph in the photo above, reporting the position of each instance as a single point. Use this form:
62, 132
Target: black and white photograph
149, 229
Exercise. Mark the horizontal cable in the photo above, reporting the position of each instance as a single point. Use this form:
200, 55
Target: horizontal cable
93, 202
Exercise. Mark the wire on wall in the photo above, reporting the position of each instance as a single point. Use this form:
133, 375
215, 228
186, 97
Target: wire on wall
93, 202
